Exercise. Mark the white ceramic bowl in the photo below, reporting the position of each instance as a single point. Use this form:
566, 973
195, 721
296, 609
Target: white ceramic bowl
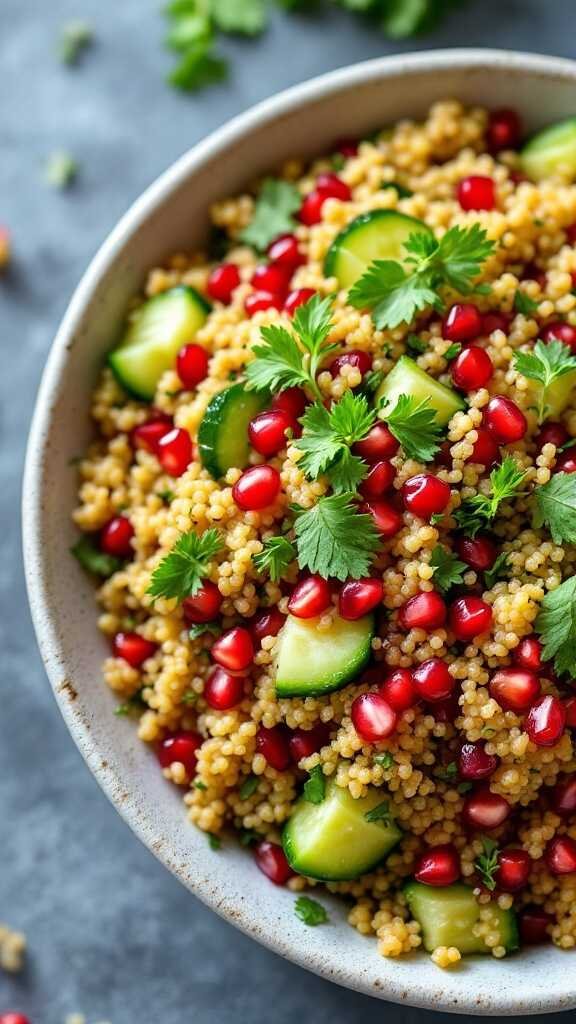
172, 215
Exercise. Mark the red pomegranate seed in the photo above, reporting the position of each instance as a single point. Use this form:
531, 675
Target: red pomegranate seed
563, 797
147, 435
440, 865
566, 462
469, 617
514, 689
296, 298
175, 452
257, 488
378, 480
474, 763
292, 401
222, 282
182, 747
476, 192
485, 451
116, 536
478, 552
358, 597
504, 130
223, 691
528, 654
432, 680
560, 332
472, 368
271, 860
446, 710
571, 233
570, 709
205, 605
399, 690
273, 745
386, 518
285, 253
425, 495
514, 867
495, 322
552, 433
360, 360
269, 277
311, 209
267, 432
12, 1017
545, 721
378, 444
234, 650
505, 421
267, 623
372, 717
532, 272
256, 302
304, 742
133, 648
534, 924
310, 597
426, 610
333, 186
560, 855
192, 365
347, 147
485, 810
462, 322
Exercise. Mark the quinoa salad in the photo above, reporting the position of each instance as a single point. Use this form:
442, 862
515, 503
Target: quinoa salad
332, 509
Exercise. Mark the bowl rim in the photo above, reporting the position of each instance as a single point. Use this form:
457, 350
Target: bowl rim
270, 109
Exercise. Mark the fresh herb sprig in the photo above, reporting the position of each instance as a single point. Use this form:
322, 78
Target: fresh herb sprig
381, 812
415, 426
334, 539
556, 507
448, 569
88, 554
275, 558
478, 512
545, 364
556, 625
487, 863
310, 911
273, 215
181, 572
75, 37
499, 569
315, 786
327, 438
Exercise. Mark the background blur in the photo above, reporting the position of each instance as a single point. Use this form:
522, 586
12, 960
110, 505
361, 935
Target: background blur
110, 933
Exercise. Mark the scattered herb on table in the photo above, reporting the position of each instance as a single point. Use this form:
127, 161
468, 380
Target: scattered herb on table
310, 911
248, 787
61, 169
75, 38
556, 625
448, 569
181, 572
479, 511
315, 786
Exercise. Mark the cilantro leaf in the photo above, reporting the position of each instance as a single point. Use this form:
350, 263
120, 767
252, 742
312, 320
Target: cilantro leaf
180, 573
201, 628
277, 554
448, 570
334, 539
524, 304
247, 17
93, 560
446, 773
475, 513
214, 841
498, 570
414, 425
415, 345
315, 786
310, 911
248, 787
546, 363
380, 813
385, 760
274, 211
556, 507
402, 18
346, 472
327, 437
556, 624
453, 350
487, 863
197, 68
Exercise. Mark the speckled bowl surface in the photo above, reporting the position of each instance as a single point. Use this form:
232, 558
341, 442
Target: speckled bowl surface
171, 215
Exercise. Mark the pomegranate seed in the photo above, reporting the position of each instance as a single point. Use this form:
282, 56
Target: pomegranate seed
360, 360
12, 1017
571, 233
234, 650
485, 810
257, 488
469, 617
269, 277
432, 680
291, 401
438, 866
560, 332
296, 298
310, 597
472, 368
181, 747
560, 855
378, 444
175, 452
204, 605
386, 518
378, 480
570, 709
504, 130
347, 147
485, 451
426, 610
478, 552
545, 721
514, 689
534, 923
267, 624
566, 462
284, 252
222, 282
116, 536
563, 797
399, 690
311, 209
462, 322
133, 648
273, 745
147, 435
474, 763
528, 654
258, 301
514, 867
267, 432
444, 456
495, 322
552, 433
223, 691
476, 192
333, 186
446, 710
425, 495
505, 421
304, 742
358, 597
372, 717
271, 860
192, 365
532, 272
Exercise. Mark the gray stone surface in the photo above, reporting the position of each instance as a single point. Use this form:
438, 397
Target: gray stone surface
110, 932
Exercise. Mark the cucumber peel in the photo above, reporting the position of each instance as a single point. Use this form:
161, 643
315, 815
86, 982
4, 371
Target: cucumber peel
551, 152
311, 662
223, 434
376, 235
447, 915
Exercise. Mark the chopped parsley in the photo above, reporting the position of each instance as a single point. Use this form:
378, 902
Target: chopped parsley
181, 572
385, 760
479, 511
273, 215
93, 560
498, 571
249, 787
415, 345
214, 841
276, 556
448, 570
315, 786
198, 784
380, 813
487, 863
556, 507
327, 438
310, 911
452, 351
334, 539
447, 772
524, 304
201, 628
415, 427
545, 364
556, 625
134, 704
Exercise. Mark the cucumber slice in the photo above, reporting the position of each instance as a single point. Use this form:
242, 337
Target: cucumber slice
406, 378
155, 333
447, 915
311, 662
551, 152
333, 841
376, 235
223, 435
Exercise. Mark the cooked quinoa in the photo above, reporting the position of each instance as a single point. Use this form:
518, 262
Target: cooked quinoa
12, 949
232, 786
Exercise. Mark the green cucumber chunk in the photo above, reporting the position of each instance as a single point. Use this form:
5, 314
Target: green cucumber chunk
376, 235
406, 378
447, 915
551, 152
155, 333
223, 435
558, 396
333, 841
311, 662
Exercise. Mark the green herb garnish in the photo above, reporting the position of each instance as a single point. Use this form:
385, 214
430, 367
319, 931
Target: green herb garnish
414, 425
334, 539
479, 511
274, 211
487, 863
524, 304
181, 572
315, 786
452, 351
275, 558
556, 625
498, 570
310, 911
93, 560
327, 438
380, 813
248, 787
448, 570
556, 507
385, 760
214, 842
